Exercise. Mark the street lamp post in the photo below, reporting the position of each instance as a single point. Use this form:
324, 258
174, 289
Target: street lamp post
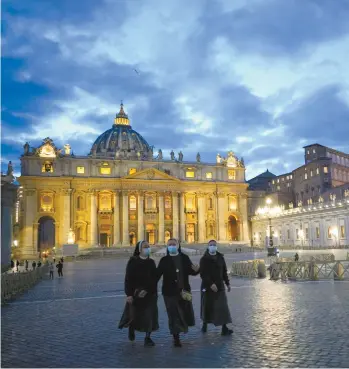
271, 242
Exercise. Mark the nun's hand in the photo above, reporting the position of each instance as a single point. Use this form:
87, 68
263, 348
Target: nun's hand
142, 293
129, 299
195, 267
228, 288
214, 288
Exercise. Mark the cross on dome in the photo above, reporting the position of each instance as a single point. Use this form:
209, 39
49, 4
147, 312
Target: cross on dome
121, 118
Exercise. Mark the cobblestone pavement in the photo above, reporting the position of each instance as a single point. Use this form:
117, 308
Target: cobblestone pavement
72, 322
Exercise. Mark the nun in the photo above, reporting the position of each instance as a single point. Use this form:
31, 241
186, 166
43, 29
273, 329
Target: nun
214, 276
141, 310
175, 268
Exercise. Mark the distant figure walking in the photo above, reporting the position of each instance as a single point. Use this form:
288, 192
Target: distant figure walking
26, 265
17, 265
52, 268
12, 264
60, 269
34, 265
39, 264
296, 257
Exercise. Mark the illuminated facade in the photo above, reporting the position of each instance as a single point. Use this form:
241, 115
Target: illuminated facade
121, 193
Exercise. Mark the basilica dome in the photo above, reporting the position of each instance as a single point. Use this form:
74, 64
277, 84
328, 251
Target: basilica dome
121, 141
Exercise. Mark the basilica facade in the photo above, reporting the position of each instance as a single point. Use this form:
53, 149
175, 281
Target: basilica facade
122, 192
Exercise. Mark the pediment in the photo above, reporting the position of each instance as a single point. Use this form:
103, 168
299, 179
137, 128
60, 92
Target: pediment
151, 174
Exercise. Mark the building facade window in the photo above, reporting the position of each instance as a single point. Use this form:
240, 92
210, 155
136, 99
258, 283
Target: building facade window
307, 233
189, 174
317, 170
329, 233
47, 167
80, 203
133, 203
231, 174
317, 231
342, 231
326, 170
209, 175
305, 175
297, 233
210, 203
80, 170
167, 202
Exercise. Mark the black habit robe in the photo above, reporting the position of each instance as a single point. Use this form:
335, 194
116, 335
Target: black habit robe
214, 305
175, 271
142, 314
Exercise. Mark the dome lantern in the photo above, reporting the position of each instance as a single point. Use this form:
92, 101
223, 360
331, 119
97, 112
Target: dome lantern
121, 118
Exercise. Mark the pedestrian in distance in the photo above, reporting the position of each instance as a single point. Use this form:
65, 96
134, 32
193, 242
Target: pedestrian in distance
34, 265
39, 264
214, 276
17, 265
12, 264
296, 257
141, 310
59, 266
175, 268
26, 265
51, 268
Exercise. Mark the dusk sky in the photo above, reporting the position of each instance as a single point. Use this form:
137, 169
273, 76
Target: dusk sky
260, 77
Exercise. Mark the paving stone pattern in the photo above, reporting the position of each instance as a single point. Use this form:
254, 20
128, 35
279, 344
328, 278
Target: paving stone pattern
72, 322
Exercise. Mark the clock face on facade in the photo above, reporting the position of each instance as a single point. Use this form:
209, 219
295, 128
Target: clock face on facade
47, 151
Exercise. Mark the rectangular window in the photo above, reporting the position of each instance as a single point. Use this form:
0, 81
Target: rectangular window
288, 234
209, 175
329, 233
306, 233
317, 171
306, 176
297, 234
311, 173
317, 232
105, 170
189, 174
314, 151
342, 231
80, 170
132, 171
325, 169
231, 174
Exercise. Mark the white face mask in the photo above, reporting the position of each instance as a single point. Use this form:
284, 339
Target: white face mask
212, 249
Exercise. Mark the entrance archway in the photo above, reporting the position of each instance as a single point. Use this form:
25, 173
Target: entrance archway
167, 236
150, 234
46, 233
190, 233
133, 238
233, 228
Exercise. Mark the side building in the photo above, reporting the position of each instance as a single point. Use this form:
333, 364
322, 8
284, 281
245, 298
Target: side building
121, 192
306, 207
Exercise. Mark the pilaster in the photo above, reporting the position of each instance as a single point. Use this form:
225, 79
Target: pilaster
161, 239
93, 218
140, 210
201, 216
175, 214
116, 225
181, 218
125, 231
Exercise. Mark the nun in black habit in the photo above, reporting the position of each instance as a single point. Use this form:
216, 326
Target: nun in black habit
141, 310
175, 268
214, 304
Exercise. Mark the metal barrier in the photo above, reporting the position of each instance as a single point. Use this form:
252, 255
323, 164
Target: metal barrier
251, 268
310, 270
14, 284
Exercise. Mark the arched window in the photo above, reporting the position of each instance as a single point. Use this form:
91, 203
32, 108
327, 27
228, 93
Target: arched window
133, 203
80, 203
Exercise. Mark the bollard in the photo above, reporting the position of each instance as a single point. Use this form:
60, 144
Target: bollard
338, 271
262, 270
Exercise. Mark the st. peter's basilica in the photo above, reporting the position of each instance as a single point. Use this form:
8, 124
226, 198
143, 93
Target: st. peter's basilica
122, 192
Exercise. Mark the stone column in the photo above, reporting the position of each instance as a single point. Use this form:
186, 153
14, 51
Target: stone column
125, 232
93, 219
8, 199
161, 239
201, 217
243, 211
181, 218
221, 216
116, 226
30, 210
65, 214
140, 210
36, 234
175, 214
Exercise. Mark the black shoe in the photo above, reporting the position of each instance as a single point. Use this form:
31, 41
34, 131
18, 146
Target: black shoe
148, 342
131, 334
204, 328
226, 331
177, 342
